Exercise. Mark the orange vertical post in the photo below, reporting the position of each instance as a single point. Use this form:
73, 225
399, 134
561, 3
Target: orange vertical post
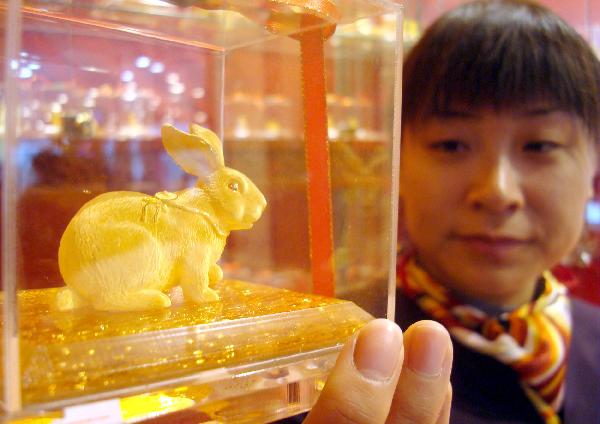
317, 162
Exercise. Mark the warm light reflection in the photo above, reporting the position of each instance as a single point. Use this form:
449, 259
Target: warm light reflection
272, 129
241, 128
172, 78
142, 62
157, 68
592, 212
127, 76
157, 3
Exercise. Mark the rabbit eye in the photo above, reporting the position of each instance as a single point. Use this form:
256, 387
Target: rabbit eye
234, 186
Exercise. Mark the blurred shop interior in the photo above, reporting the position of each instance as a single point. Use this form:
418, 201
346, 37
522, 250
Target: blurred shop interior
82, 126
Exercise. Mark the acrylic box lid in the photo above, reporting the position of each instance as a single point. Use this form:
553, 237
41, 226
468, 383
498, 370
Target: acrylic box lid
218, 25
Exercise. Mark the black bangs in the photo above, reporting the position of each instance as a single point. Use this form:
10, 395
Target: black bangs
502, 54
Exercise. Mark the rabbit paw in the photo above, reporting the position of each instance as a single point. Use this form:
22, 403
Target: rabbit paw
138, 301
67, 299
215, 274
202, 296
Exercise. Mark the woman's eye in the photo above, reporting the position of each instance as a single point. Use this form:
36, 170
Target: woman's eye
541, 146
450, 146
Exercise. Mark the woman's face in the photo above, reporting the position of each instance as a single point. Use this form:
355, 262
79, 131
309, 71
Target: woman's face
492, 198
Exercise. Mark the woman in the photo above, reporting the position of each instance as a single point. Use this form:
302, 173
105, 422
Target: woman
501, 125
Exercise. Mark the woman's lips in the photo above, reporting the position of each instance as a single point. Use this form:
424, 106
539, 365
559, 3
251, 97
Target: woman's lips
493, 246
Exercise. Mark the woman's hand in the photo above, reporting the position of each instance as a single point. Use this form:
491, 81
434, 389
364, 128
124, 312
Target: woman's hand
381, 378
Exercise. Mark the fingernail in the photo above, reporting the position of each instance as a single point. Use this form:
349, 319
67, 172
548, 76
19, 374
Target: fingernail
377, 350
427, 349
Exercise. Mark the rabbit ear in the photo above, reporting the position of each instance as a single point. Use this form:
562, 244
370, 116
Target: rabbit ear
212, 139
195, 153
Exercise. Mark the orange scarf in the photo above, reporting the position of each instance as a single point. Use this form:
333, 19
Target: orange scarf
532, 339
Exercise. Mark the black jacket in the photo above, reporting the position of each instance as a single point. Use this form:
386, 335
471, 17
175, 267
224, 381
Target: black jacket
487, 391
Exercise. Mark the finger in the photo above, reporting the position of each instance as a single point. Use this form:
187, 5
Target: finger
423, 384
361, 385
444, 417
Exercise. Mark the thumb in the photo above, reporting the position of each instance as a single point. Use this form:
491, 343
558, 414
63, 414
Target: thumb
424, 393
361, 386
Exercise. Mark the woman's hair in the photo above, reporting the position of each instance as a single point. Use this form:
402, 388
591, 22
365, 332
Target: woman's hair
501, 53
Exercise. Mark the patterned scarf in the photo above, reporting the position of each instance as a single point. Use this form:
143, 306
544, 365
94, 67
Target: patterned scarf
532, 339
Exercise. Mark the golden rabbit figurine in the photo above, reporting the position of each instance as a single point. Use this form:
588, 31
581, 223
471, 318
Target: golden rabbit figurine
123, 249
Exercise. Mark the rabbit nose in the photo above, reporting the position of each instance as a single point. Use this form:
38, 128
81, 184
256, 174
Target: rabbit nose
262, 202
260, 207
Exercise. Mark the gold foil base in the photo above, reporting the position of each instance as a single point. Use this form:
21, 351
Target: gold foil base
83, 355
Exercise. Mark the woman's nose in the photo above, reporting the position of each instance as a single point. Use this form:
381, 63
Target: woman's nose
497, 188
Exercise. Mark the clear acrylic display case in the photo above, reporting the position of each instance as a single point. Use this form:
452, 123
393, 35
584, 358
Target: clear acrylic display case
305, 98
